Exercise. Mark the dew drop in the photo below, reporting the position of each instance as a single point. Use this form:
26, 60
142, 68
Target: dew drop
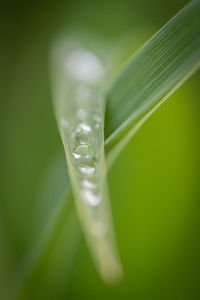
82, 114
97, 118
91, 198
83, 153
83, 134
88, 184
87, 170
85, 127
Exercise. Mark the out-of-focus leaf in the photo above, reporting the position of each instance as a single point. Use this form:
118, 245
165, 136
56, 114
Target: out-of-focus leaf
55, 238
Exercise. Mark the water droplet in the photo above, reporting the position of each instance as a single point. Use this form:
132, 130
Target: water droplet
82, 114
85, 127
97, 118
83, 134
88, 184
91, 198
86, 170
83, 153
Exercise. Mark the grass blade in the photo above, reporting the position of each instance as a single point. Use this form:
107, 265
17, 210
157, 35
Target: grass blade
169, 58
78, 75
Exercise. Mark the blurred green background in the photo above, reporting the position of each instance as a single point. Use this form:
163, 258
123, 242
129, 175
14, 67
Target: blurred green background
154, 184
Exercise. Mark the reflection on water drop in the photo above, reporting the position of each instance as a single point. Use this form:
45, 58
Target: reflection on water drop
88, 184
83, 134
84, 127
86, 170
91, 198
83, 153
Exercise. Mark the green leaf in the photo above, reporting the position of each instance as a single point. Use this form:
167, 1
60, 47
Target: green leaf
169, 58
78, 76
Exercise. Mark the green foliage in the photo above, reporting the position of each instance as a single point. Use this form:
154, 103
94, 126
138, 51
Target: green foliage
152, 74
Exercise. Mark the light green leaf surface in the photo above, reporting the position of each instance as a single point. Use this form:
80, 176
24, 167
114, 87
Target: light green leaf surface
77, 78
169, 58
